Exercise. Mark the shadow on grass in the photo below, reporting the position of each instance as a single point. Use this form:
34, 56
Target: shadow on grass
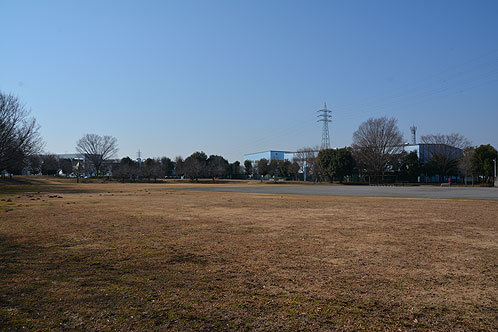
25, 184
35, 279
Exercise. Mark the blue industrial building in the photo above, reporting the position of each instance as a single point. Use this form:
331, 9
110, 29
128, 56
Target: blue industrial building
269, 155
426, 151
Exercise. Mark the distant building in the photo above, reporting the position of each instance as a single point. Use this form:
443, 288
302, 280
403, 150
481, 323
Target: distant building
72, 156
426, 151
269, 155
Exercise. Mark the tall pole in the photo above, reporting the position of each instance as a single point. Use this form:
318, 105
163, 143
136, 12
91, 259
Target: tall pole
413, 129
325, 116
496, 182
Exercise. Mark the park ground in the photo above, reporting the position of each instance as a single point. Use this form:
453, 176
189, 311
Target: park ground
144, 257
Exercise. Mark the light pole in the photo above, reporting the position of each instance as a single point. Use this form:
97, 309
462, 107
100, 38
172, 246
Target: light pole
496, 182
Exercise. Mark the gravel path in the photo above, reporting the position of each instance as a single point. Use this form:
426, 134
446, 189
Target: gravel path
369, 191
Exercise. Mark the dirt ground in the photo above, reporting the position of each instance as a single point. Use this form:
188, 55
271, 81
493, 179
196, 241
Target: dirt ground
148, 257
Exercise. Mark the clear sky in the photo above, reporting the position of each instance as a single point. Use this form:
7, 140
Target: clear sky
233, 77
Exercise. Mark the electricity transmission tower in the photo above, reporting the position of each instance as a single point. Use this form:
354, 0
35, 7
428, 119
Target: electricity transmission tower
325, 116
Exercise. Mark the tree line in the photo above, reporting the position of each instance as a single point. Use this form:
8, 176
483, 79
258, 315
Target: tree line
377, 153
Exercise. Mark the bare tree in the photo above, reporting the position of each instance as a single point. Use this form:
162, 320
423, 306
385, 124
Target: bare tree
375, 143
306, 159
454, 139
465, 163
97, 149
443, 157
152, 168
19, 136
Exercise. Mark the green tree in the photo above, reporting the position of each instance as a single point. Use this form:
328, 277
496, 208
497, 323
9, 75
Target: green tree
50, 164
326, 163
126, 169
179, 163
167, 166
273, 168
263, 167
235, 169
66, 166
335, 163
482, 161
34, 162
194, 166
248, 167
217, 166
412, 166
283, 168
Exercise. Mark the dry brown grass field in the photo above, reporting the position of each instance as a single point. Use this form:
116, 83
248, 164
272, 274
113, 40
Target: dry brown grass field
148, 257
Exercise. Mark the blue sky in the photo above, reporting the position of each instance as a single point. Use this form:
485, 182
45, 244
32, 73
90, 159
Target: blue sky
233, 77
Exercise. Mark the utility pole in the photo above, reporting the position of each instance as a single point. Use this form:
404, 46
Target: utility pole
496, 180
325, 116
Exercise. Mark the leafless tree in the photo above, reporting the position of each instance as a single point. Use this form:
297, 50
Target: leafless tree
454, 139
443, 157
97, 149
294, 169
306, 159
19, 136
375, 143
465, 163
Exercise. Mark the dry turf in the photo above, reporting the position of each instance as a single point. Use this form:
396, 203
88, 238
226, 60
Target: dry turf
149, 257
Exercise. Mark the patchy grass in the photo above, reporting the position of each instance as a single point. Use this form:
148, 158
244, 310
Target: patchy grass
127, 257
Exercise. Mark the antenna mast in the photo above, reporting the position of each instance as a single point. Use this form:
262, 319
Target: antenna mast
325, 116
413, 129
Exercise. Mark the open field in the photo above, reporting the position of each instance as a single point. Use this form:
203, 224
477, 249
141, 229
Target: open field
151, 257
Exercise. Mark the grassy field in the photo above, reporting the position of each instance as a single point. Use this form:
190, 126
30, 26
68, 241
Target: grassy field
146, 257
